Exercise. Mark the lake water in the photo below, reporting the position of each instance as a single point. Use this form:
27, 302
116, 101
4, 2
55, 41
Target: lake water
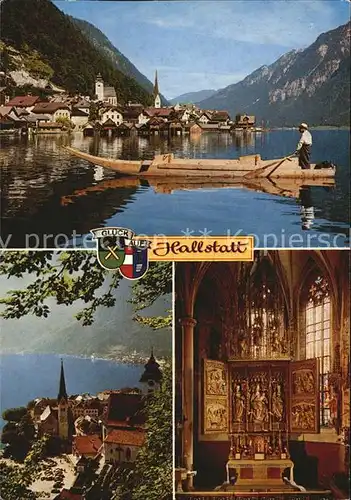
45, 191
29, 376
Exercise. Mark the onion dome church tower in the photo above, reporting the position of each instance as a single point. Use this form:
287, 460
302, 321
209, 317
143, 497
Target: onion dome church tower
63, 408
157, 102
152, 376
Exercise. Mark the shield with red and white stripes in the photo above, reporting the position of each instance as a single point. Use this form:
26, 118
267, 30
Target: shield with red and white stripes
136, 262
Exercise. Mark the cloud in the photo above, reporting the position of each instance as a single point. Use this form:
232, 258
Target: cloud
199, 44
275, 22
171, 23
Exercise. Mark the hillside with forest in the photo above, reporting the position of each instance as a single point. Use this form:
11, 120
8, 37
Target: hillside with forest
122, 63
40, 30
311, 85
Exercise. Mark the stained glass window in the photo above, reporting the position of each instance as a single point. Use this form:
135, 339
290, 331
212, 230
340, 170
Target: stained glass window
318, 338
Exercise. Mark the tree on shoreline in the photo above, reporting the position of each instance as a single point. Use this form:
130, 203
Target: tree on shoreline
18, 433
69, 277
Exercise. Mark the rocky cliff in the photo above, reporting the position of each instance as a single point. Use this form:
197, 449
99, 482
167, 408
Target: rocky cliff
311, 85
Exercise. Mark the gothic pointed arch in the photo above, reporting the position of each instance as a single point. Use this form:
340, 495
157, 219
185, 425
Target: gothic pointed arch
319, 261
317, 333
244, 310
275, 258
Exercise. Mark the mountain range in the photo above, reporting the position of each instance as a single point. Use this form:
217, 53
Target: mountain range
114, 334
193, 97
310, 85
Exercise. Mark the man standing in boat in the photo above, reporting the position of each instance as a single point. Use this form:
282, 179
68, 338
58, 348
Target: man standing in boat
303, 149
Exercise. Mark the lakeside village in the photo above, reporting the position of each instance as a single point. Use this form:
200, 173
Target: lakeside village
102, 115
91, 440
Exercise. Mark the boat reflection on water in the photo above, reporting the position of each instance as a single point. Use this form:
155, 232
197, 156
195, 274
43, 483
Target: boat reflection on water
47, 195
307, 208
291, 188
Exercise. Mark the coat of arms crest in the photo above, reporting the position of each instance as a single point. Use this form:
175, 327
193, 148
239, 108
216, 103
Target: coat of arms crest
118, 249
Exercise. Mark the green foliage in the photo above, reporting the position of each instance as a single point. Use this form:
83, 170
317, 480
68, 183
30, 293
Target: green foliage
111, 53
14, 414
66, 122
155, 322
36, 66
18, 433
15, 480
73, 276
153, 473
37, 452
145, 292
94, 111
29, 25
14, 483
14, 90
27, 59
5, 59
69, 277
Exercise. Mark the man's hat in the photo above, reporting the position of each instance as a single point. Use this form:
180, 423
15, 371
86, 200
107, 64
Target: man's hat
303, 125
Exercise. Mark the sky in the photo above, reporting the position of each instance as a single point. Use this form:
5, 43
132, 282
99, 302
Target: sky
204, 44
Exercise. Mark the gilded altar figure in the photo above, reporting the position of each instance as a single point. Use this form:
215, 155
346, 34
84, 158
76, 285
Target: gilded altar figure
303, 416
277, 403
304, 382
259, 405
216, 382
259, 444
216, 417
239, 404
243, 348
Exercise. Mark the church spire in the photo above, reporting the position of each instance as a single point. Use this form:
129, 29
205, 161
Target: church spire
156, 91
157, 98
62, 390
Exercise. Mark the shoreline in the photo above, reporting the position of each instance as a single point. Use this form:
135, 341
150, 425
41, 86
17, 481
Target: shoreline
15, 132
134, 359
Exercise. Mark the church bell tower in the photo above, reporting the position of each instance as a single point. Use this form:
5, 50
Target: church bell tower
157, 102
99, 88
152, 376
63, 407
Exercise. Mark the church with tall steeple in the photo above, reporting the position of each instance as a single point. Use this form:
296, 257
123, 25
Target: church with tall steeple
63, 407
156, 93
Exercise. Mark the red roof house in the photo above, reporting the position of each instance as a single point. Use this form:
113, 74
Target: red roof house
24, 101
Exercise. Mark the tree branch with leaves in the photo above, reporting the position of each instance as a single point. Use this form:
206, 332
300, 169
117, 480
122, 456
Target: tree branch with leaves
72, 276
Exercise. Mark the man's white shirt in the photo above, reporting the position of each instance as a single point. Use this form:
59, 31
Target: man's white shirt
306, 138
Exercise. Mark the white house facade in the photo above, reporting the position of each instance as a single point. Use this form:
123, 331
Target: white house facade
112, 114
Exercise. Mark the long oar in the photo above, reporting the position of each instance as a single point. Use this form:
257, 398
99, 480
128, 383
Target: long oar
257, 172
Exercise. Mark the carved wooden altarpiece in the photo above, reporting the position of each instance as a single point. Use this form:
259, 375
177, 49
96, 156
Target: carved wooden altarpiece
257, 405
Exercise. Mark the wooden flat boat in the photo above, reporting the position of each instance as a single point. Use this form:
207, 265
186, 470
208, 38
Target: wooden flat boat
244, 167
